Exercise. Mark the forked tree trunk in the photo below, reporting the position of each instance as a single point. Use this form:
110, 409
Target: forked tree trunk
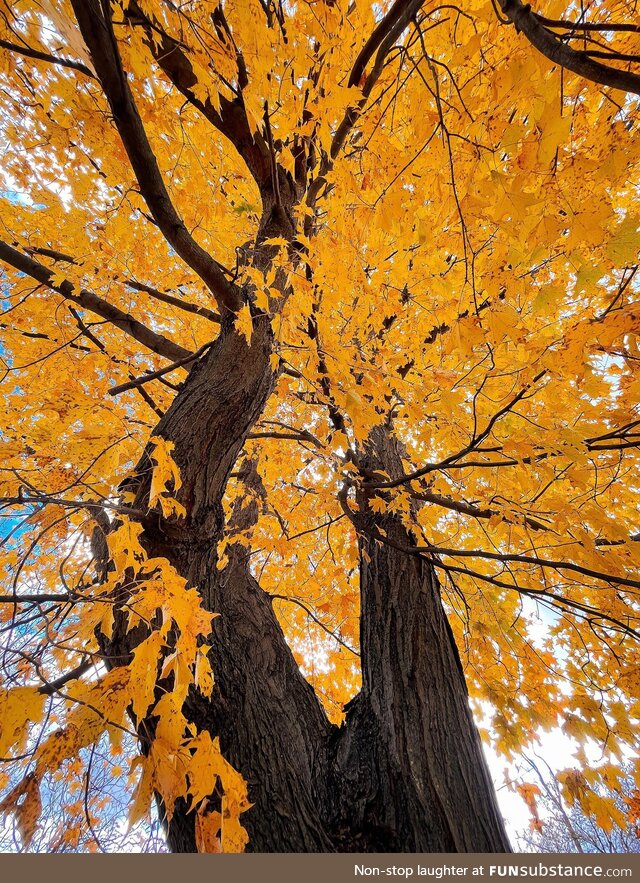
406, 771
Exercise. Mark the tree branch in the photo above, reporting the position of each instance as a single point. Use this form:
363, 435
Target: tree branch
153, 341
505, 557
544, 595
97, 32
39, 599
379, 44
465, 508
578, 26
154, 375
473, 444
230, 120
174, 301
317, 621
45, 56
432, 553
51, 687
45, 499
556, 50
301, 436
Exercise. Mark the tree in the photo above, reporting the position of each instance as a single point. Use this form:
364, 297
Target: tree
568, 828
320, 381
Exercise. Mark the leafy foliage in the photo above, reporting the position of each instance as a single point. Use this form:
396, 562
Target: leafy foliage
461, 265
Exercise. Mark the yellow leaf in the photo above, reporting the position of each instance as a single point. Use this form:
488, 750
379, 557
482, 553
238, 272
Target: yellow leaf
244, 323
165, 472
144, 670
19, 708
208, 825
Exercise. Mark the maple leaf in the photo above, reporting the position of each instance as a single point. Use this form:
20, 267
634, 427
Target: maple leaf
244, 323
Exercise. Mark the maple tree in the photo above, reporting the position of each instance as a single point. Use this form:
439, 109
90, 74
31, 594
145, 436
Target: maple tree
320, 345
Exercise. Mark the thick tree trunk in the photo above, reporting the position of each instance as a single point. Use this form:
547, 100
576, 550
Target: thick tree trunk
413, 774
406, 771
270, 723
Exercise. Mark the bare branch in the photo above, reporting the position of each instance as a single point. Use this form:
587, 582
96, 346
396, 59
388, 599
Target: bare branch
154, 375
36, 54
580, 26
317, 621
45, 499
506, 557
379, 44
477, 439
464, 508
51, 687
174, 301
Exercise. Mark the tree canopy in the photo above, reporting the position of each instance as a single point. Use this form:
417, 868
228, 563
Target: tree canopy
425, 217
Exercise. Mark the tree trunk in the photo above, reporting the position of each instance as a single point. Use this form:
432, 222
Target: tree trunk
413, 774
405, 773
270, 723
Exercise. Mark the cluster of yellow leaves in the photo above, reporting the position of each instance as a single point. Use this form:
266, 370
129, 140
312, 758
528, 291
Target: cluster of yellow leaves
577, 789
182, 762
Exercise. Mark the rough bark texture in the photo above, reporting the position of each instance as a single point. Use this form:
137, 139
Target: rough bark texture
270, 723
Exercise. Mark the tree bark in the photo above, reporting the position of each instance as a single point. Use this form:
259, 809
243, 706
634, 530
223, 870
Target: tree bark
270, 723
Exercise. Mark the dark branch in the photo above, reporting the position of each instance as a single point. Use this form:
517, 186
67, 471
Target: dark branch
379, 44
477, 439
580, 26
556, 50
92, 505
97, 32
473, 511
39, 599
174, 301
154, 375
230, 119
153, 341
51, 687
317, 621
505, 557
386, 31
45, 56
